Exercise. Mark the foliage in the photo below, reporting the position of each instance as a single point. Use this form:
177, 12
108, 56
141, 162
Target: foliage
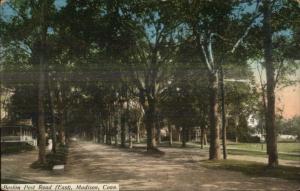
290, 126
159, 55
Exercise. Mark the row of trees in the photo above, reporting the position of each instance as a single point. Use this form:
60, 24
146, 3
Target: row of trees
78, 65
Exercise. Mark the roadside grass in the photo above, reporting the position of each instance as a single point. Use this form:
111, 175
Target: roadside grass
58, 158
291, 147
284, 156
15, 147
254, 169
177, 144
287, 151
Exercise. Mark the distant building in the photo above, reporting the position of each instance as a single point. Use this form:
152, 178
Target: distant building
5, 96
22, 131
252, 121
282, 137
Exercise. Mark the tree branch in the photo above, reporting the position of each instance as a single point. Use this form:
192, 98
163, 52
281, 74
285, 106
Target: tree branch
210, 50
279, 71
240, 40
206, 59
263, 89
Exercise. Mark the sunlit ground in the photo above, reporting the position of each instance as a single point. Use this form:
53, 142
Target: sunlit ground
177, 169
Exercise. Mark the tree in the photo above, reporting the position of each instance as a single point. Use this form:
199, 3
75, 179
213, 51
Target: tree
204, 19
27, 27
149, 56
270, 116
41, 85
279, 33
289, 126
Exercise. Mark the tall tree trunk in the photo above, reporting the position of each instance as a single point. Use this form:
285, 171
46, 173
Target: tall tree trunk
150, 125
138, 131
41, 87
99, 132
270, 120
67, 133
130, 138
102, 130
61, 110
179, 134
158, 135
184, 136
205, 136
61, 132
236, 121
223, 114
41, 115
214, 148
109, 128
170, 134
116, 128
116, 139
1, 92
105, 124
189, 139
53, 127
202, 137
123, 135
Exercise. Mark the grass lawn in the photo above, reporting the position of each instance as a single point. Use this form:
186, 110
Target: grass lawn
284, 156
255, 169
287, 151
282, 147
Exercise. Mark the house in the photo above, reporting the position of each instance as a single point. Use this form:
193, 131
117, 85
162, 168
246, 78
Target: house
22, 131
252, 121
5, 96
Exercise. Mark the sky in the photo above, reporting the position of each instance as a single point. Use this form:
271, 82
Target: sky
287, 99
290, 101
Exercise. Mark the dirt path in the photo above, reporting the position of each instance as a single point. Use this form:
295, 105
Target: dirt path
178, 169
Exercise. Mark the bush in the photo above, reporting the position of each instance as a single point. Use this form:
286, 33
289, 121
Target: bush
250, 139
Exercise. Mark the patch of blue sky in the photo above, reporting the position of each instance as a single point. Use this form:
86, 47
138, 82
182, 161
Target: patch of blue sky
60, 4
25, 47
151, 32
248, 8
50, 30
244, 8
286, 33
7, 11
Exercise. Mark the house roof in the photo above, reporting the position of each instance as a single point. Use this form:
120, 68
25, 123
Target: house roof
16, 127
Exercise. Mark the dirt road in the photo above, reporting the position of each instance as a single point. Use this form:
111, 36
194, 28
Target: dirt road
178, 169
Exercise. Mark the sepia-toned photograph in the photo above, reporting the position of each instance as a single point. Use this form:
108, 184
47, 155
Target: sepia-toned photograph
150, 95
